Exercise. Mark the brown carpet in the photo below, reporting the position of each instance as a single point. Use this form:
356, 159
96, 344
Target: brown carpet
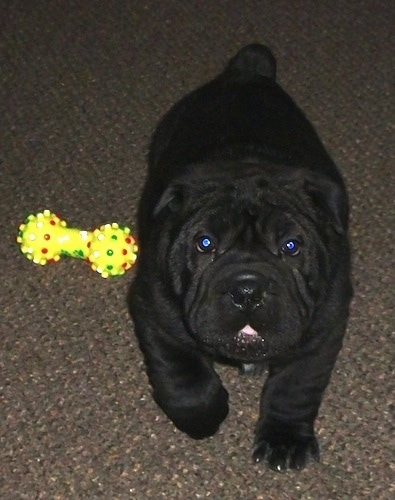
83, 84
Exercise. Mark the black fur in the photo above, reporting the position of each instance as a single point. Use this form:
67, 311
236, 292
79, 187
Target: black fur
244, 257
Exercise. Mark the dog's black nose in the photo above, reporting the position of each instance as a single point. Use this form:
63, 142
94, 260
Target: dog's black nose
247, 293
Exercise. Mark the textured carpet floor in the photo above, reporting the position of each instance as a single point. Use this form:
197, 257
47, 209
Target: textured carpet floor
83, 84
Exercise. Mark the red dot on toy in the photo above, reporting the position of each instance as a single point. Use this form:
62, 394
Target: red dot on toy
44, 250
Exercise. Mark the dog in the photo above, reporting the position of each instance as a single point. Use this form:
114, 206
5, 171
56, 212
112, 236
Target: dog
243, 258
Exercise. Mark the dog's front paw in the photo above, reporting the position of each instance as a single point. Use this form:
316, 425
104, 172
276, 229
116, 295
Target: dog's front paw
201, 418
285, 446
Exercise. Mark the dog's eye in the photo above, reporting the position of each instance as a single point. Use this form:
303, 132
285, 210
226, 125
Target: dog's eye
205, 244
291, 247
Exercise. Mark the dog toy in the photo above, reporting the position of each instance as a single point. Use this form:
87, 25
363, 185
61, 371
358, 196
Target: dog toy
110, 249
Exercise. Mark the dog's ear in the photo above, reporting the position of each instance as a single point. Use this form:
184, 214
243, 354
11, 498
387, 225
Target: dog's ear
185, 193
330, 196
171, 199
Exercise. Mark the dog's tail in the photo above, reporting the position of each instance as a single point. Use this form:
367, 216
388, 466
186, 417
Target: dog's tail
252, 60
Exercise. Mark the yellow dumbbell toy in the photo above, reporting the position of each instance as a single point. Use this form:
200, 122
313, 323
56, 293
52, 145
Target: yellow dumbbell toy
110, 249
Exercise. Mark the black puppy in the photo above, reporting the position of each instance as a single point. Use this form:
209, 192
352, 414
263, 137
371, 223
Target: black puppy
244, 256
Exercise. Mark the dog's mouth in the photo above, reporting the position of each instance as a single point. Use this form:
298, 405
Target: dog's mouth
248, 334
246, 345
248, 339
249, 344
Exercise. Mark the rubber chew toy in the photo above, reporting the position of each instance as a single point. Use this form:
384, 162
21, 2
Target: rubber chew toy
110, 249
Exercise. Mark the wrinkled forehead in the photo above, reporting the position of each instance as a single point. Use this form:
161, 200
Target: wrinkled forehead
246, 207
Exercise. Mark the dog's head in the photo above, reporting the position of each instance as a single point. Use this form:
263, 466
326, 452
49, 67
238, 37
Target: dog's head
249, 256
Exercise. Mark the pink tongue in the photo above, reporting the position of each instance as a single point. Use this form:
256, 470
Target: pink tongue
247, 330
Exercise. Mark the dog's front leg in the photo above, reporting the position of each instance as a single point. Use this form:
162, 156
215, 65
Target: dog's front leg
289, 405
186, 387
184, 383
